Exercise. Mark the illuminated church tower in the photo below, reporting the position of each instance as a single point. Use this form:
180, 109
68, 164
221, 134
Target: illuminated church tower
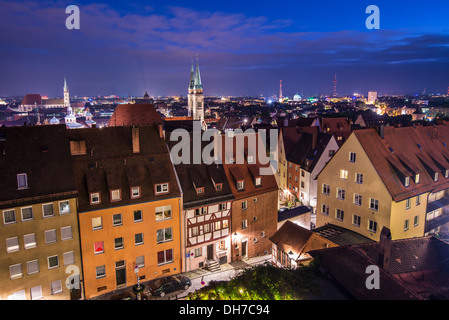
66, 94
195, 97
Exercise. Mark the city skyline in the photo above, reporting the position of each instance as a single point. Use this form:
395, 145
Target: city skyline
244, 48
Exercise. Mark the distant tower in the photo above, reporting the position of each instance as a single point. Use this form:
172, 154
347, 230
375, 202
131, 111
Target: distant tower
195, 95
66, 94
335, 85
281, 98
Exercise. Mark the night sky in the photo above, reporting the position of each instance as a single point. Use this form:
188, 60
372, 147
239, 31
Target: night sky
244, 47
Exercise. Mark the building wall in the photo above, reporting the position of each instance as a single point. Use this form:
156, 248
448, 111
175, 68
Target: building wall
400, 213
45, 276
261, 223
149, 249
282, 164
372, 187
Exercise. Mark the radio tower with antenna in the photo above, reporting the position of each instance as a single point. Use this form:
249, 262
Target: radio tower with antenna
281, 98
335, 85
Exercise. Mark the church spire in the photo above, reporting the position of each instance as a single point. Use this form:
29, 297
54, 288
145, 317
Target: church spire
198, 84
192, 80
66, 87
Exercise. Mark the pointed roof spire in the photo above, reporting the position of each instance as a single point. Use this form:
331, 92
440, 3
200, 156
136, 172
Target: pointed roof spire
198, 84
192, 81
65, 84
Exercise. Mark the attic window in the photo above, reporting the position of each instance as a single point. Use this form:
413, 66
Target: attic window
161, 188
417, 178
435, 177
95, 198
219, 186
258, 181
135, 192
22, 182
200, 190
240, 185
407, 181
446, 173
116, 195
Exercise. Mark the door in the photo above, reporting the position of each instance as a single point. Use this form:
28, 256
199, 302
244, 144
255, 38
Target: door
120, 273
244, 248
210, 252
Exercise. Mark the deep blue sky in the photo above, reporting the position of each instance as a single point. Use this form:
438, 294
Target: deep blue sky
244, 47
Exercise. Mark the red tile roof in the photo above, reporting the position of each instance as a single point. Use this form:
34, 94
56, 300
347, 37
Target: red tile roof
134, 114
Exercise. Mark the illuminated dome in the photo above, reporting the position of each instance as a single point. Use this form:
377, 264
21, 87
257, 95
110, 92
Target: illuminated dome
297, 97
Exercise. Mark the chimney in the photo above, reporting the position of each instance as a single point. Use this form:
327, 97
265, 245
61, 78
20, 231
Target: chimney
384, 251
135, 140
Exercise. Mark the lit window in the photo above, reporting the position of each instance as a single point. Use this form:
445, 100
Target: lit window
417, 178
163, 213
22, 181
217, 225
225, 224
240, 185
407, 181
258, 181
98, 247
116, 195
344, 174
162, 188
97, 223
64, 207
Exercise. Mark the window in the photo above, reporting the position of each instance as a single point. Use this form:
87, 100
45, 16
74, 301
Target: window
140, 261
374, 204
135, 192
100, 272
222, 206
117, 220
206, 228
244, 224
9, 216
359, 178
407, 204
446, 173
357, 199
341, 194
407, 181
240, 185
138, 239
33, 266
326, 189
97, 223
217, 225
356, 220
417, 178
66, 233
116, 195
200, 211
166, 234
244, 205
12, 244
47, 210
296, 179
296, 168
15, 271
137, 215
406, 224
372, 226
162, 188
36, 293
95, 198
435, 177
27, 214
218, 186
418, 200
56, 287
53, 262
325, 209
339, 214
163, 213
225, 224
258, 181
198, 252
165, 256
302, 184
118, 243
416, 221
98, 247
303, 173
50, 236
352, 156
22, 181
64, 207
69, 258
344, 174
29, 240
193, 229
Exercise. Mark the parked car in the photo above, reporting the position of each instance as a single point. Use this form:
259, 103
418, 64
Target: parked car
162, 286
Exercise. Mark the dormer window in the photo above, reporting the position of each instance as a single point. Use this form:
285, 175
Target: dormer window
22, 181
135, 192
446, 173
407, 181
417, 178
258, 181
241, 185
200, 190
95, 198
116, 195
219, 186
435, 177
161, 188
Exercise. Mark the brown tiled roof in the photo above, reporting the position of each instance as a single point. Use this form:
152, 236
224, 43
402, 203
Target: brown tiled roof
110, 163
43, 153
406, 151
134, 114
32, 99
